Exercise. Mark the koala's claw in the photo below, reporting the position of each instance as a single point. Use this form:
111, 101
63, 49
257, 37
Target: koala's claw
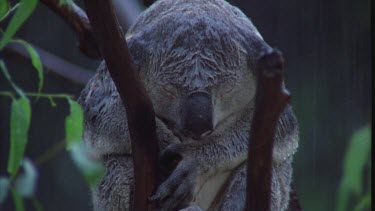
191, 207
178, 188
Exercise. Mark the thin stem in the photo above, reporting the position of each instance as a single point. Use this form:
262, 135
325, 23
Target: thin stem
32, 94
50, 153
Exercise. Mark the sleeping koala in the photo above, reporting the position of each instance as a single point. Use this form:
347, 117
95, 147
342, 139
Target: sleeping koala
196, 59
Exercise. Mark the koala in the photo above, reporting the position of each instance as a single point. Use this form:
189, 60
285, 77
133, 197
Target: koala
196, 59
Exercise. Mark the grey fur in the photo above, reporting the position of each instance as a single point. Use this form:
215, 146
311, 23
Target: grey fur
181, 47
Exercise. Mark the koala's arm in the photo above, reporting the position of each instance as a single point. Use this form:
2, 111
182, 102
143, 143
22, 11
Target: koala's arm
106, 134
233, 194
226, 152
233, 197
232, 149
105, 125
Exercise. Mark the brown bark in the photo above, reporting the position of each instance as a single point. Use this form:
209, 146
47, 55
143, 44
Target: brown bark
148, 3
78, 21
139, 110
271, 99
294, 204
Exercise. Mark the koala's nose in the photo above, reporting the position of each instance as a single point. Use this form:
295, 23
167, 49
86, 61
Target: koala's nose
197, 115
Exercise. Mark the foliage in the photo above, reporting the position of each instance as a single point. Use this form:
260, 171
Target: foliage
24, 10
352, 184
21, 182
73, 124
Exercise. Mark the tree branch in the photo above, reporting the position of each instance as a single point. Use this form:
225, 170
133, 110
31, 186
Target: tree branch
148, 3
55, 64
139, 110
76, 18
294, 204
271, 99
78, 21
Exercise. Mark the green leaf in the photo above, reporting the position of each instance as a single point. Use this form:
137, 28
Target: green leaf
37, 205
4, 188
92, 170
26, 182
24, 10
5, 71
20, 115
35, 60
18, 201
364, 203
4, 8
9, 10
52, 102
73, 124
356, 158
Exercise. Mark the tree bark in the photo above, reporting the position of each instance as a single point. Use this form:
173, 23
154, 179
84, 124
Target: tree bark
271, 99
139, 109
78, 21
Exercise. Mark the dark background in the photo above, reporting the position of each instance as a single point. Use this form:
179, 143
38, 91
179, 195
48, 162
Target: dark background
326, 44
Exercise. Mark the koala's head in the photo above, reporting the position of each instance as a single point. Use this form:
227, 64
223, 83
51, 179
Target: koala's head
196, 61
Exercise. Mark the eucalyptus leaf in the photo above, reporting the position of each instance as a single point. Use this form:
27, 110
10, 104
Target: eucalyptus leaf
5, 71
73, 124
20, 115
36, 204
91, 169
35, 60
4, 188
8, 11
364, 203
4, 8
24, 10
25, 183
18, 201
356, 158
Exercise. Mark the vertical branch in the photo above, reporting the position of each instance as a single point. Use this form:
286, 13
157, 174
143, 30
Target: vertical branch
271, 99
139, 110
294, 204
148, 3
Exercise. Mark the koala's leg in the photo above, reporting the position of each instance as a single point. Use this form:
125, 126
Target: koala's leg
233, 193
116, 187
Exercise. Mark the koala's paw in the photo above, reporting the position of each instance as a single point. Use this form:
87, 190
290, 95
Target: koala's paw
191, 207
185, 174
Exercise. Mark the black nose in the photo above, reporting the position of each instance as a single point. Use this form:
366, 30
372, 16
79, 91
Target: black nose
197, 115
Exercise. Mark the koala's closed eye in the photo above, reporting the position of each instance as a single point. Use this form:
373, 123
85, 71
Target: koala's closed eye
227, 88
170, 90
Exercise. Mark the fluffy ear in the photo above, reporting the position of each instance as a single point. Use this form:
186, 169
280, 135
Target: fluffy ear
254, 45
137, 49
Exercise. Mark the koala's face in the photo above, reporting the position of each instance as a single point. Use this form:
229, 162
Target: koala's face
195, 87
196, 113
196, 65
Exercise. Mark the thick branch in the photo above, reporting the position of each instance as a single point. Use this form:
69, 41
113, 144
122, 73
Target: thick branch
148, 3
294, 204
271, 99
78, 21
139, 110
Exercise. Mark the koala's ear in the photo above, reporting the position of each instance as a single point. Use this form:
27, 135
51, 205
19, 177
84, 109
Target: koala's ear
137, 49
253, 44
